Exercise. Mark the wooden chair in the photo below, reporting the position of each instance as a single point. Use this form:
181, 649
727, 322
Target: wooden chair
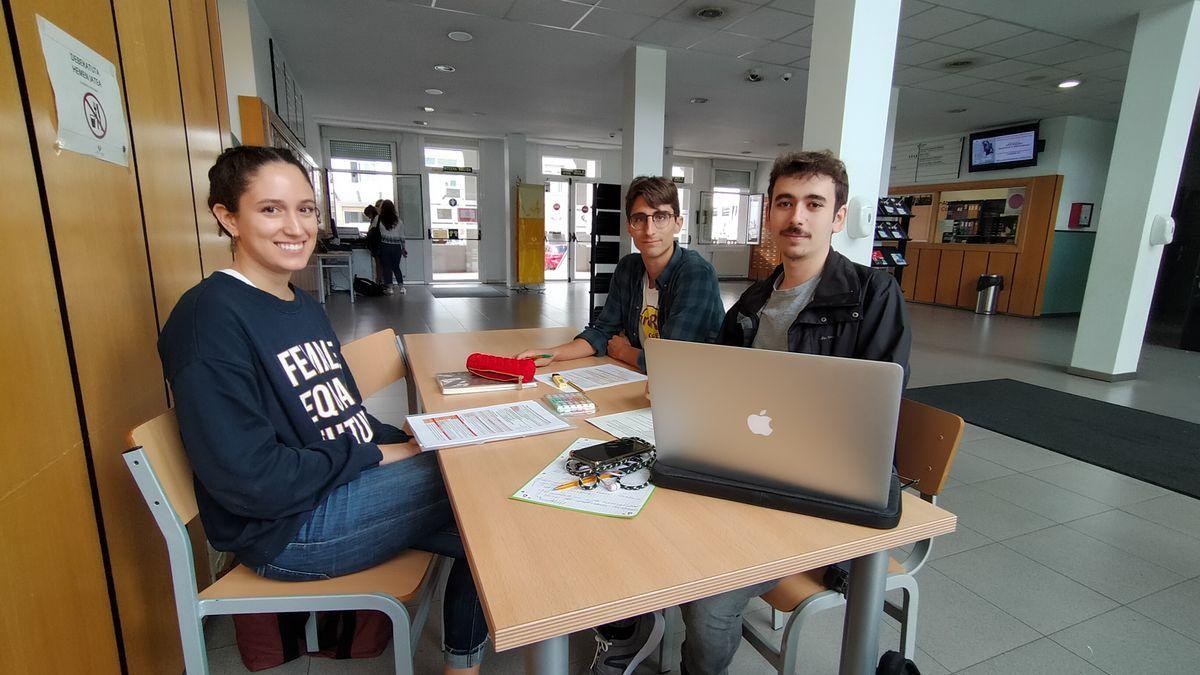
926, 441
163, 474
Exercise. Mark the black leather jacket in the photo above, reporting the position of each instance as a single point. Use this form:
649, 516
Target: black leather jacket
856, 312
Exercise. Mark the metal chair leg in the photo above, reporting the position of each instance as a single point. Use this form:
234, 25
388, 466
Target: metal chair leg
402, 649
777, 619
310, 633
908, 624
669, 654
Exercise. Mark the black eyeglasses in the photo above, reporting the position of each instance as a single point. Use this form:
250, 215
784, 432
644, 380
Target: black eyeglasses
660, 219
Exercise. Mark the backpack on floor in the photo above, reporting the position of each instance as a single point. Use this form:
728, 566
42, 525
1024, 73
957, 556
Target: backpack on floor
270, 640
894, 663
367, 287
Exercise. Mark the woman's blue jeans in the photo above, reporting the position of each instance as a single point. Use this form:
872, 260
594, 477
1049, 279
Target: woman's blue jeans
374, 517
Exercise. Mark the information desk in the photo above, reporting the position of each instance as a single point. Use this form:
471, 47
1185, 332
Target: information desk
543, 573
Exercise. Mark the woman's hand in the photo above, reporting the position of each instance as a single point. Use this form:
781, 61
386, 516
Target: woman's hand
395, 452
541, 357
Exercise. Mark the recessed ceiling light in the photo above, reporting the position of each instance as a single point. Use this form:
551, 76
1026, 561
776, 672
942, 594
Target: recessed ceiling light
421, 123
698, 99
434, 92
709, 13
1068, 84
444, 68
745, 142
427, 109
460, 36
956, 110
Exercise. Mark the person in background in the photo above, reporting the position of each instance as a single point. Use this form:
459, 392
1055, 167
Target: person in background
391, 246
293, 475
815, 302
663, 291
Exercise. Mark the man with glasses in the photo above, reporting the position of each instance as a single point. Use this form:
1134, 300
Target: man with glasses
663, 291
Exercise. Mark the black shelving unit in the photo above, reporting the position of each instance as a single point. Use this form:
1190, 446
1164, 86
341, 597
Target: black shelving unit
606, 242
891, 234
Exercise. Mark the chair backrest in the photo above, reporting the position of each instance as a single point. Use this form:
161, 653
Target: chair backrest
163, 449
926, 440
374, 361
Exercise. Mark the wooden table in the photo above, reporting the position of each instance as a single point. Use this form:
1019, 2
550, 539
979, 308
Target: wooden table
543, 573
335, 260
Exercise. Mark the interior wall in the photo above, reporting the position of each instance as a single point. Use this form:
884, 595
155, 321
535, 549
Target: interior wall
52, 572
122, 245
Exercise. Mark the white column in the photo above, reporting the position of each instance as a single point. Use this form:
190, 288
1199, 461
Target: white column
515, 158
849, 90
495, 233
1152, 134
643, 133
885, 169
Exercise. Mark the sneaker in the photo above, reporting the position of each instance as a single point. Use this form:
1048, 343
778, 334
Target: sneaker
622, 656
387, 290
403, 290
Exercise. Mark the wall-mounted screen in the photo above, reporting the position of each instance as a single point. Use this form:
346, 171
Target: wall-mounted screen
1006, 148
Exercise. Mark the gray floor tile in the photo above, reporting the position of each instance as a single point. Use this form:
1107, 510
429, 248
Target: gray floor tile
1014, 454
959, 629
968, 468
1029, 591
1099, 484
961, 539
1176, 511
989, 515
1045, 499
1144, 539
1043, 657
1177, 607
974, 433
1100, 567
1123, 641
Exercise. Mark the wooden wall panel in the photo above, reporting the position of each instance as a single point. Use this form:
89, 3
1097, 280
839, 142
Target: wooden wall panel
1029, 274
927, 274
200, 112
93, 207
974, 264
1002, 264
949, 272
52, 577
160, 144
217, 53
908, 278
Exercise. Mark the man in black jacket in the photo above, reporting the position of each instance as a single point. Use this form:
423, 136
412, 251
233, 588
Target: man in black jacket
816, 302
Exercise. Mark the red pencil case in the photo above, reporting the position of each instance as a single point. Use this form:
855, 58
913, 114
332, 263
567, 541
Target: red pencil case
502, 368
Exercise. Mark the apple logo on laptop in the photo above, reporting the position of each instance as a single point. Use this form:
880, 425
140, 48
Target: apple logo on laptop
760, 424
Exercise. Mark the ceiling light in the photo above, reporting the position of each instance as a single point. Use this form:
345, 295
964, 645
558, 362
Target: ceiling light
571, 147
444, 68
1068, 84
421, 123
709, 13
427, 109
698, 99
478, 114
460, 36
956, 110
434, 92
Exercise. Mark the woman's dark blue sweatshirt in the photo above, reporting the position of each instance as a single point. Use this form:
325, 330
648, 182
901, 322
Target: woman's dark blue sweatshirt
270, 416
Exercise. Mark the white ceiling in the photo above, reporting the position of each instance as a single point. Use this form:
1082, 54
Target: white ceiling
552, 68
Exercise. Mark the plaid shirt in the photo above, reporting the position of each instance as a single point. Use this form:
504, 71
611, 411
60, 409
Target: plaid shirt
689, 303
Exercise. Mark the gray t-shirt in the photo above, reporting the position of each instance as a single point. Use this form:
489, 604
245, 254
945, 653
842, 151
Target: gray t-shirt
778, 315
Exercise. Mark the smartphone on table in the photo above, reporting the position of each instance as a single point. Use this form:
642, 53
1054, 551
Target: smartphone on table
611, 453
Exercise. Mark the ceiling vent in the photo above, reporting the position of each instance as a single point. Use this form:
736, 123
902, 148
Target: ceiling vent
958, 64
710, 13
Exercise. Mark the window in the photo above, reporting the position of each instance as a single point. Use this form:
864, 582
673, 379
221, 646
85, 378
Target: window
553, 166
354, 172
732, 180
360, 173
438, 156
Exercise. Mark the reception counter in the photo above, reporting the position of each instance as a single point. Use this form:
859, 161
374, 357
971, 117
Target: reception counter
962, 230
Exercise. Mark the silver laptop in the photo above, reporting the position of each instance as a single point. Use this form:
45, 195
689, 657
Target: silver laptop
824, 424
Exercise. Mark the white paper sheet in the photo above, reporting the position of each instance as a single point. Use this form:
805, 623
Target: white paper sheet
481, 425
594, 377
616, 503
637, 423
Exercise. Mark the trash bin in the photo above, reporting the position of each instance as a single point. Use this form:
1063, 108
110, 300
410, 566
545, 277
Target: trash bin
989, 287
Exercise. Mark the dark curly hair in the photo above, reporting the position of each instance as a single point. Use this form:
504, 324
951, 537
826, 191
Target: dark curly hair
231, 174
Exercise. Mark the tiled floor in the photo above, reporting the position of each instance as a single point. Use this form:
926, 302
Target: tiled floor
1057, 566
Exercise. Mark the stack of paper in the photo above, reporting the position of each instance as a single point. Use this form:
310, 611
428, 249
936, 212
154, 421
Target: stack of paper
615, 503
481, 425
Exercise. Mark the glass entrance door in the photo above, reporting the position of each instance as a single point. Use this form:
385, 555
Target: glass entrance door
454, 226
568, 229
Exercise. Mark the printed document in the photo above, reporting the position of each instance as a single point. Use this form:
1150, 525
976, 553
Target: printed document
481, 425
594, 377
615, 503
635, 423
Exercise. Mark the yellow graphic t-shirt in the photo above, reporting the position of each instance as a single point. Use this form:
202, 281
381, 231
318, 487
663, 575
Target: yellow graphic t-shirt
648, 321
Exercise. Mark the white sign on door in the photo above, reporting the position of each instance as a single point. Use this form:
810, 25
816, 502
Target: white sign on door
87, 97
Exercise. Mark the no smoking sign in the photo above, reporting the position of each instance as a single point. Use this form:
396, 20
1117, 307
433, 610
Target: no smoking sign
93, 112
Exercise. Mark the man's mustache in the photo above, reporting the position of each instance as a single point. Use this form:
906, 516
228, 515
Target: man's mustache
794, 231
